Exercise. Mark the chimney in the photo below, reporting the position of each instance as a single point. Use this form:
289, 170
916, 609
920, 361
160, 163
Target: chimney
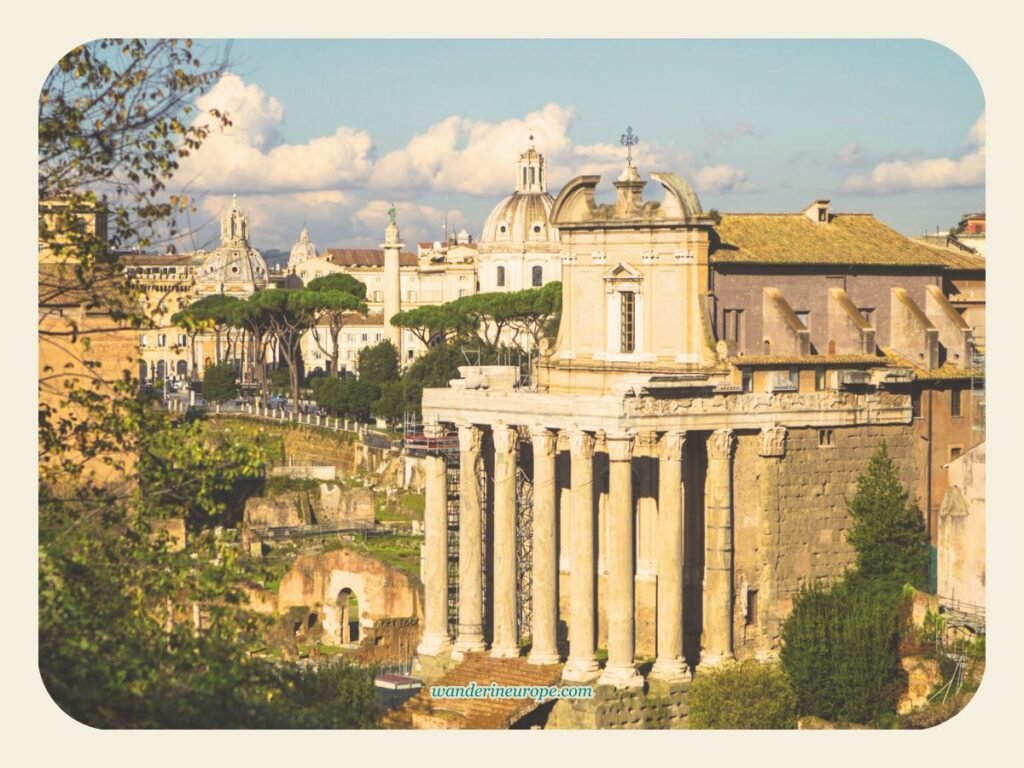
818, 212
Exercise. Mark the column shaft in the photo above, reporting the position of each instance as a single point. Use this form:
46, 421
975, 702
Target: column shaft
621, 670
435, 567
471, 617
718, 564
544, 648
669, 664
506, 636
582, 663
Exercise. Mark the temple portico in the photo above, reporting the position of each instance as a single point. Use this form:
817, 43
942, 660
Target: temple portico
628, 459
647, 499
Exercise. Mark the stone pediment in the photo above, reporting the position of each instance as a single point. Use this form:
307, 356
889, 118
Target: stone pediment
622, 271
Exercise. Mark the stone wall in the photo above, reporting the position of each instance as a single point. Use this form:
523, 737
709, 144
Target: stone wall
390, 641
333, 505
790, 519
660, 707
319, 581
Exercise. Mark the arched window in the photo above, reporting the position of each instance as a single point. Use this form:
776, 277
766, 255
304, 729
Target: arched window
537, 276
501, 277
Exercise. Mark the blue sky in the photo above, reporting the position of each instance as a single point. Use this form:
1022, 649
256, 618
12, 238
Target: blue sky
330, 132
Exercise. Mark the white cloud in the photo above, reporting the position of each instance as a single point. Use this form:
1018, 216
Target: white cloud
968, 170
328, 181
716, 179
415, 222
249, 156
851, 154
472, 157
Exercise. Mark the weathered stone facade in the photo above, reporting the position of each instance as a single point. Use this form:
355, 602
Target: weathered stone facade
661, 707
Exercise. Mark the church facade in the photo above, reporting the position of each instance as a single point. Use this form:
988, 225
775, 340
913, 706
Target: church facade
679, 468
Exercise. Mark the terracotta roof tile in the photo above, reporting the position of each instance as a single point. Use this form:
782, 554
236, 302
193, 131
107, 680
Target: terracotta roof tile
826, 360
848, 238
366, 257
945, 372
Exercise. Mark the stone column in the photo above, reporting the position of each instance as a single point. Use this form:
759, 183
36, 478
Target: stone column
669, 664
506, 638
471, 612
718, 576
581, 665
620, 670
773, 451
435, 566
545, 562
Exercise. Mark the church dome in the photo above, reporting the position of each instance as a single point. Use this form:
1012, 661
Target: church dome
235, 267
524, 217
302, 250
520, 218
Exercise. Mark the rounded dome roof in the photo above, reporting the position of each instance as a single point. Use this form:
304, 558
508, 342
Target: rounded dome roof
521, 218
233, 269
302, 250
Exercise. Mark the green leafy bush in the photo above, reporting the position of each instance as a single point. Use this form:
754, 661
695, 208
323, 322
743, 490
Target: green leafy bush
841, 650
219, 383
750, 695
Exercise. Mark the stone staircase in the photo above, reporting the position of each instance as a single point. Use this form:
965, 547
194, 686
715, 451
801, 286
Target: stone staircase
422, 711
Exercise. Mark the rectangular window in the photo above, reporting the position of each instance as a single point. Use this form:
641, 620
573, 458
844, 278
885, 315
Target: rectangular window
955, 396
143, 340
537, 276
868, 313
794, 378
501, 277
378, 337
915, 405
804, 317
627, 322
824, 438
955, 451
182, 340
748, 379
733, 322
751, 607
161, 341
819, 378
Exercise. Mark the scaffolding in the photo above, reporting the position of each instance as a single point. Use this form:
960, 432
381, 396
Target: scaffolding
524, 553
977, 391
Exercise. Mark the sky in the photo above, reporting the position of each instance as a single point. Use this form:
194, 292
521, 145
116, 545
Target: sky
329, 133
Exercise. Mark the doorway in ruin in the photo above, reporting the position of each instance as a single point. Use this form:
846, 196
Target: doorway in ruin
348, 617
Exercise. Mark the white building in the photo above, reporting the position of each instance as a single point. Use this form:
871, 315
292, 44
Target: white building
518, 246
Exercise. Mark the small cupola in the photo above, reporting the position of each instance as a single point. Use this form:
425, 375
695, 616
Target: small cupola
818, 211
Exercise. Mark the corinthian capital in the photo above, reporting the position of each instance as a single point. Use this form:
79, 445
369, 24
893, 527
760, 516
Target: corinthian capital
581, 445
544, 441
469, 438
670, 447
773, 442
720, 444
506, 439
620, 447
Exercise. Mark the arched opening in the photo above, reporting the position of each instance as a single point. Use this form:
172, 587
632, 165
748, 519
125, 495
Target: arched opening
537, 276
143, 369
182, 368
161, 369
348, 613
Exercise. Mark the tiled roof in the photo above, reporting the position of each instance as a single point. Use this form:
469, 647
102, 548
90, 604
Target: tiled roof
60, 286
827, 360
373, 318
848, 238
945, 372
366, 257
155, 260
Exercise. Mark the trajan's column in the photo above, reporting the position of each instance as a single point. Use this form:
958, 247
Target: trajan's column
392, 246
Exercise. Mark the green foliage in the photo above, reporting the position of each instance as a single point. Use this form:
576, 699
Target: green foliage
887, 531
336, 695
219, 383
280, 379
434, 369
737, 696
352, 398
841, 650
391, 403
379, 364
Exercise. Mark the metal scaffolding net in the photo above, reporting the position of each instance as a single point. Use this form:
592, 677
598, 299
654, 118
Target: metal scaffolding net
524, 553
